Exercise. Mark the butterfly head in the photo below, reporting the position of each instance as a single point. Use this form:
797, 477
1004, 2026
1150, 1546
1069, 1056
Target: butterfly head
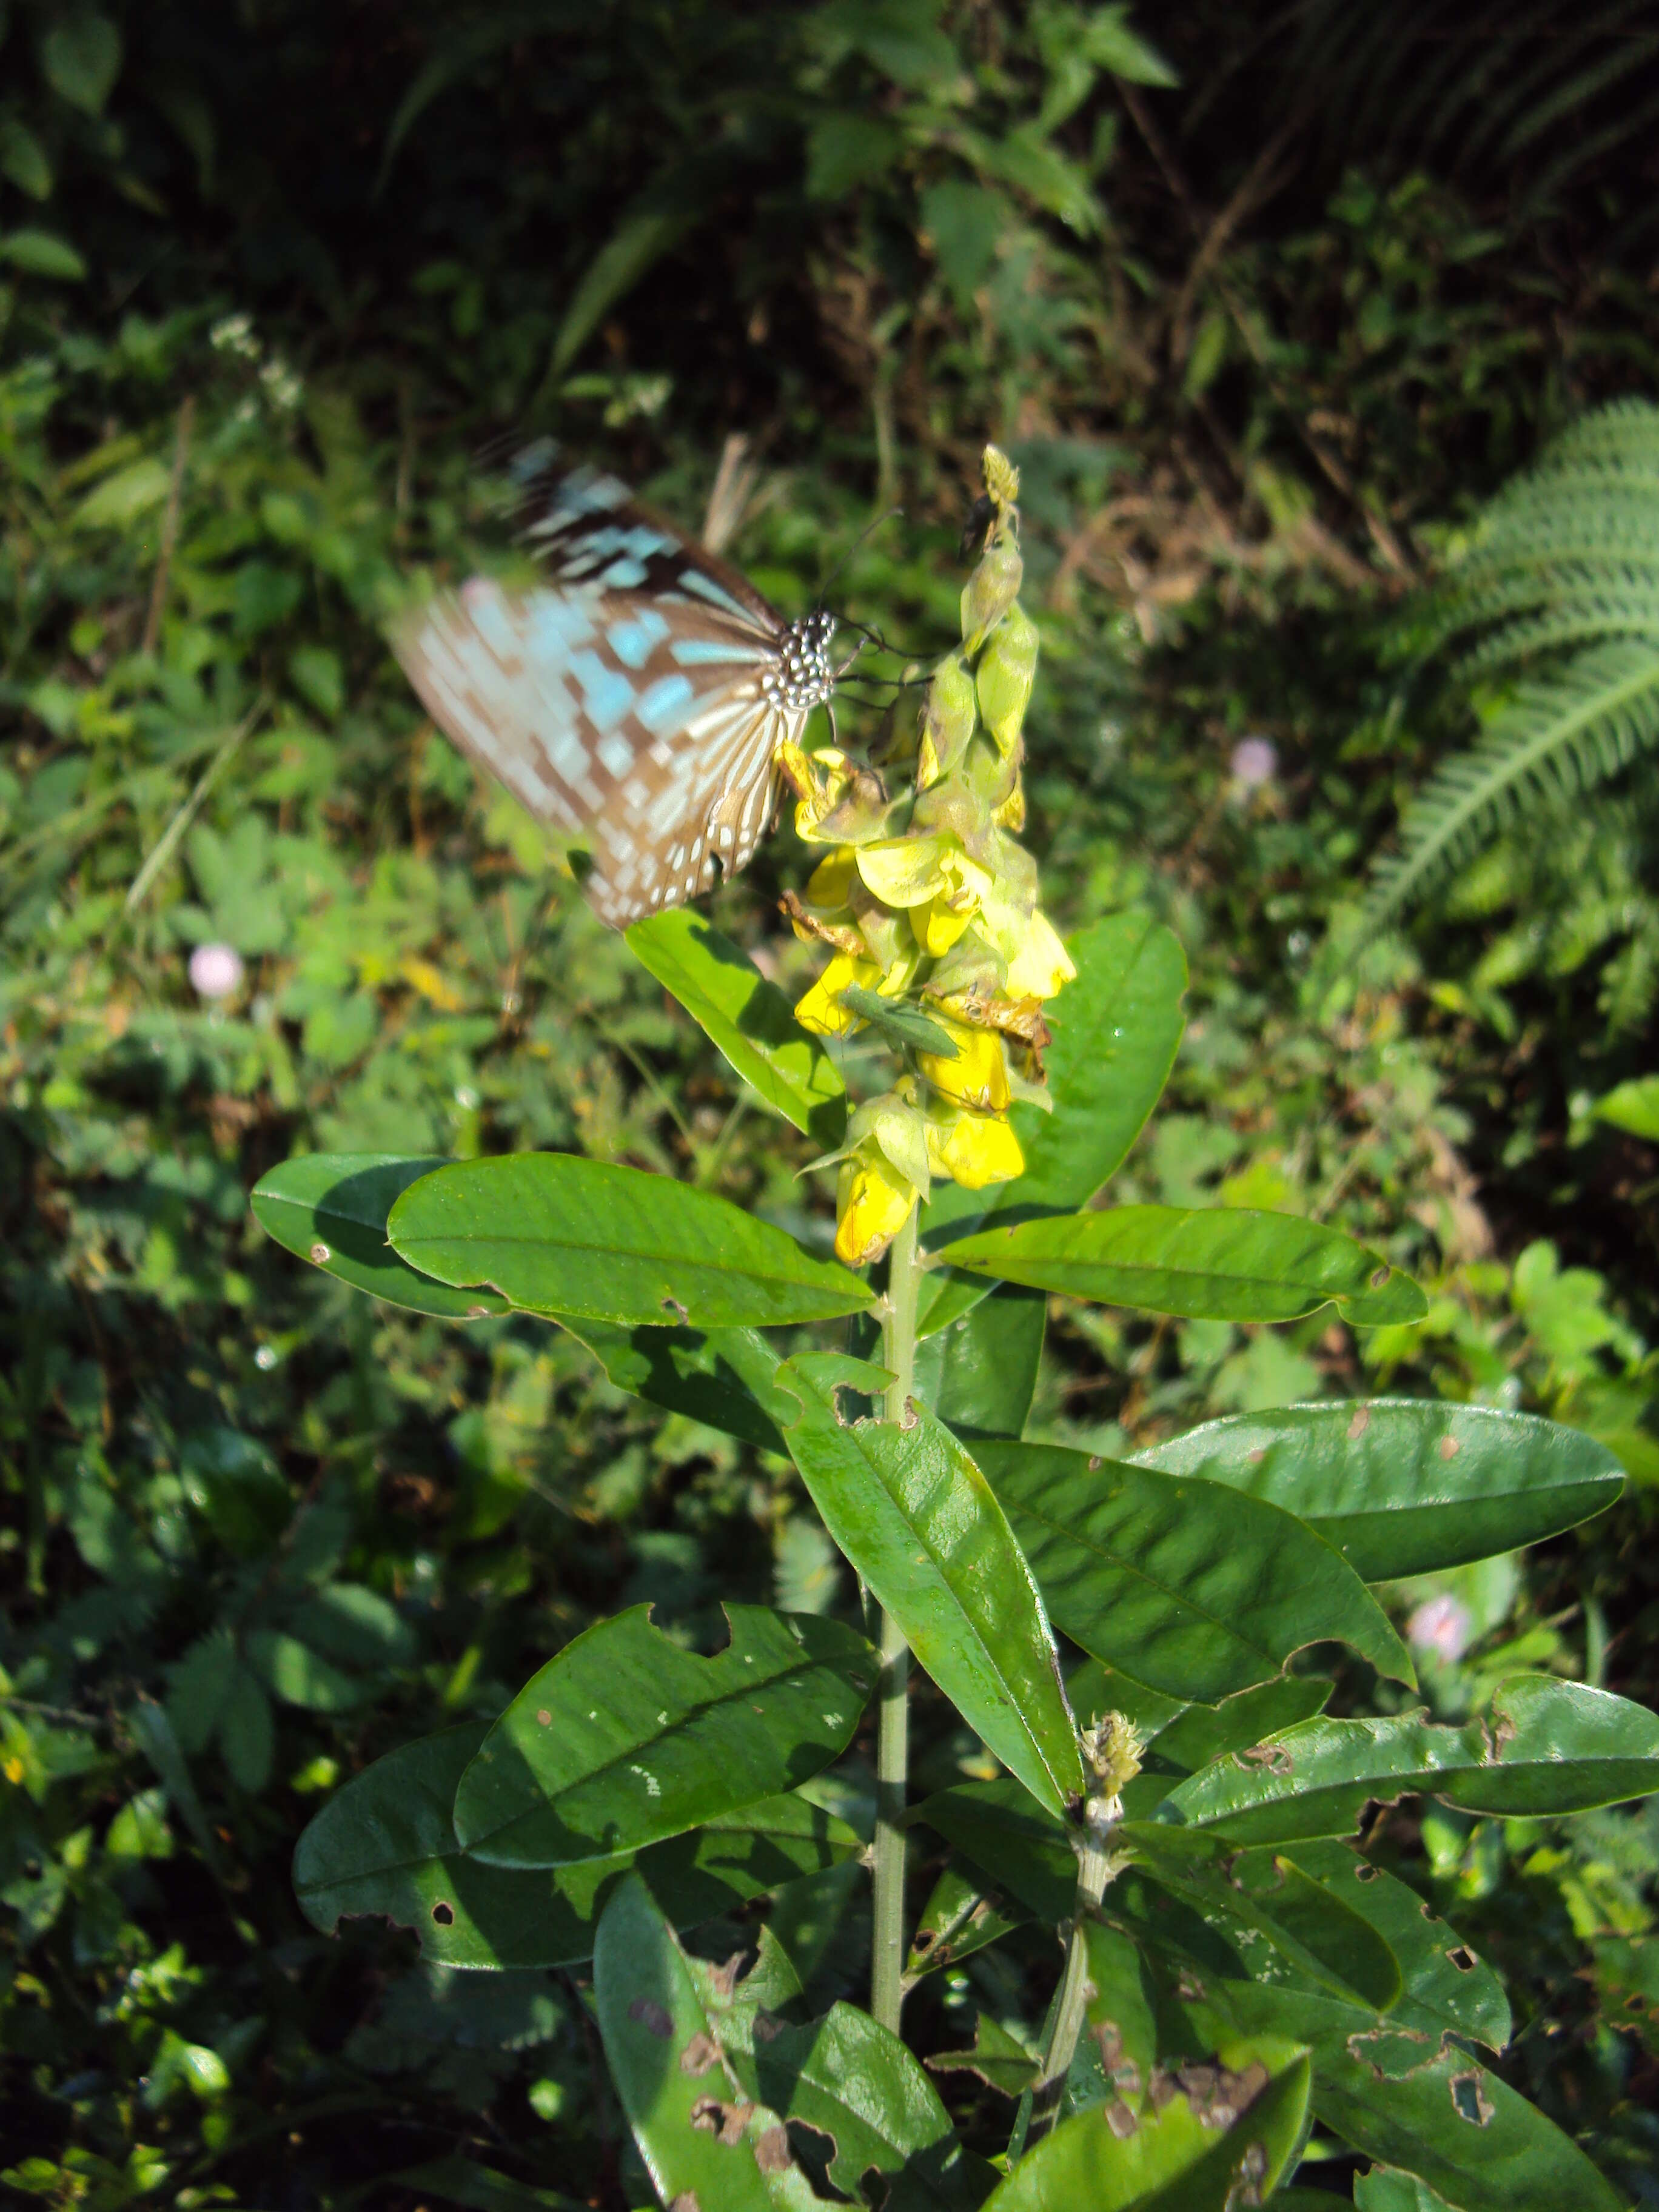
802, 676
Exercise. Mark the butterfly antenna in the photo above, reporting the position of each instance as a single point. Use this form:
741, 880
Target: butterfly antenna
869, 529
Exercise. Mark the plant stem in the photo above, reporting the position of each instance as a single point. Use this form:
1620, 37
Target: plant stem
1065, 2023
898, 1354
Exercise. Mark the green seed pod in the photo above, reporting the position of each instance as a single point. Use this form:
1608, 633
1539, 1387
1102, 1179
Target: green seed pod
992, 777
1007, 669
948, 721
991, 591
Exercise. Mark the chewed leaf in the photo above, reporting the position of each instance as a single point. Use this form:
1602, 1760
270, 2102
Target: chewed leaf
331, 1209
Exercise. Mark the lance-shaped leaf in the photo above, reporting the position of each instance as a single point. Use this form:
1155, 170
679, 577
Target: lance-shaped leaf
1544, 1746
1116, 1025
1024, 1850
920, 1522
979, 1372
1219, 1263
1406, 1485
1444, 1981
853, 2081
559, 1234
385, 1845
964, 1914
1414, 2100
1206, 2139
624, 1738
1385, 2189
749, 1018
994, 2056
331, 1208
1182, 1583
720, 1377
1321, 1937
704, 2141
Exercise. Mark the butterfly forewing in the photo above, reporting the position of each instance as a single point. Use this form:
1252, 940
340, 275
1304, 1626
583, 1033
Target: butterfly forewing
634, 695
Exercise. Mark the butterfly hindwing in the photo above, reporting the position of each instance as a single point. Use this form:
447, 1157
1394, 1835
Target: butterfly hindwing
627, 696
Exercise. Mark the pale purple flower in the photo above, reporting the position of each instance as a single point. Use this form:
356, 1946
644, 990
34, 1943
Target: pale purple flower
216, 970
1443, 1625
1255, 762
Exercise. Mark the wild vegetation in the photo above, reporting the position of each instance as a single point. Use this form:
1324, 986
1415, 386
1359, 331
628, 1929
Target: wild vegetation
1272, 313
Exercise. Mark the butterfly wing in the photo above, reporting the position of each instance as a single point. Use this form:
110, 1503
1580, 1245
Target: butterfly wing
624, 697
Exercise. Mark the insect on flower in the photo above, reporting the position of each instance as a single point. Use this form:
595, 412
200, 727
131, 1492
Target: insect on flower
639, 691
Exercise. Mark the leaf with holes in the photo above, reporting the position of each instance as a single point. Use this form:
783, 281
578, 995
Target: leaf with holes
703, 2139
1411, 2100
1219, 1263
1207, 2138
558, 1234
920, 1522
1544, 1746
1181, 1583
963, 1915
331, 1208
385, 1845
625, 1738
1406, 1485
749, 1018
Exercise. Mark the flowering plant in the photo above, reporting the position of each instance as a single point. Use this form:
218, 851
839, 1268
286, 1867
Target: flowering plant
1222, 1964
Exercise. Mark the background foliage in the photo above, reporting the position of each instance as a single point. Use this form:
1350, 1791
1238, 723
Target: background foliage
1265, 317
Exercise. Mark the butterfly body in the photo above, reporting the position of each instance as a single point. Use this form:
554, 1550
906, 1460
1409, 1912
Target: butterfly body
639, 693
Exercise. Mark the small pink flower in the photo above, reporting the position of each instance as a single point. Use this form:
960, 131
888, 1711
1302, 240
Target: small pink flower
1443, 1625
216, 970
1255, 761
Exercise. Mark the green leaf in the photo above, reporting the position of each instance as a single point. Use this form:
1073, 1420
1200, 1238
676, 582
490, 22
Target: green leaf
899, 1024
331, 1208
124, 494
1185, 2150
81, 58
386, 1844
42, 253
994, 2056
1116, 1026
919, 1522
1406, 1485
560, 1234
461, 2181
625, 1738
845, 151
964, 223
1386, 2190
652, 228
1111, 41
1633, 1106
1546, 1747
961, 1916
1319, 1935
721, 1377
1117, 2052
979, 1373
1412, 2101
1200, 1733
300, 1676
854, 2082
1219, 1263
1443, 1979
1024, 1851
23, 158
1181, 1583
749, 1018
702, 2140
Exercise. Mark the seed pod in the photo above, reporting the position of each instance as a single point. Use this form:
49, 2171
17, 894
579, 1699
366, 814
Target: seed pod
1007, 668
948, 722
991, 591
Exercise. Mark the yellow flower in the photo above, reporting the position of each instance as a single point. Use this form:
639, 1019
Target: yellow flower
830, 884
1041, 965
973, 1149
977, 1077
821, 1010
873, 1204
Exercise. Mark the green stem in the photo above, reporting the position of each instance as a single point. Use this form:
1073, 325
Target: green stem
899, 1354
1071, 2002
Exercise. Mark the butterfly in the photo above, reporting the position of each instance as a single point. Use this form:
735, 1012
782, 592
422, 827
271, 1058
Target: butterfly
639, 693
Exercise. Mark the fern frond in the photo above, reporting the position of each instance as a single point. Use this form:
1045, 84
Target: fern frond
1557, 738
1566, 622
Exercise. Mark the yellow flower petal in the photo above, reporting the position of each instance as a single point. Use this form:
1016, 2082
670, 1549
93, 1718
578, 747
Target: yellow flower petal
872, 1203
977, 1077
1041, 965
974, 1149
903, 871
830, 883
821, 1010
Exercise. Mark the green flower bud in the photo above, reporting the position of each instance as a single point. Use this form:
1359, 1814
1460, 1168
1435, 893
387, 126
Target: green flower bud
1007, 668
948, 723
990, 591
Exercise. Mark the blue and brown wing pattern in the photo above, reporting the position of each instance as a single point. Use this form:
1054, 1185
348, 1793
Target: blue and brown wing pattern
634, 695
